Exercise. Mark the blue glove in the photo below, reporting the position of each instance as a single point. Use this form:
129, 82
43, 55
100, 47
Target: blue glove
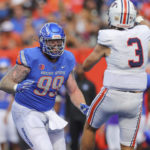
84, 108
147, 136
25, 85
148, 80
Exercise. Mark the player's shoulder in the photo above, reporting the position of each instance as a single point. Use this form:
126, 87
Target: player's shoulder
28, 55
106, 36
107, 32
142, 28
69, 58
31, 51
68, 55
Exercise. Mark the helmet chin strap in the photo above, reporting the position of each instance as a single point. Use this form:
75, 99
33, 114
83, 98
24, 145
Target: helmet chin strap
117, 28
51, 58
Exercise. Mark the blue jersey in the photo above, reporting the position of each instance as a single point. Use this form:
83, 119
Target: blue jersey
48, 77
5, 99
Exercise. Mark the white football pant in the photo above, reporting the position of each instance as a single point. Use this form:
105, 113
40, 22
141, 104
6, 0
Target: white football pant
40, 130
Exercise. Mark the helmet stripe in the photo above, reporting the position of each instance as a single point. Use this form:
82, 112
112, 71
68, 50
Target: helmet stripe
121, 12
125, 12
128, 12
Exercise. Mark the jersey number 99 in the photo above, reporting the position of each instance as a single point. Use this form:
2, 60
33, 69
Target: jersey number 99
46, 82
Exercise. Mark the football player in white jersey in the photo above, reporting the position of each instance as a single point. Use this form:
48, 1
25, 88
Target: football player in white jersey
125, 46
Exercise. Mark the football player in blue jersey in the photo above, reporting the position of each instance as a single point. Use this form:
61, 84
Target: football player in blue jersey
8, 132
36, 78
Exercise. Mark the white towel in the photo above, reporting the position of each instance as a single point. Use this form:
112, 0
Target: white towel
55, 121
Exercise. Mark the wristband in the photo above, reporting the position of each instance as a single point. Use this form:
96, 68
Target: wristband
139, 19
15, 87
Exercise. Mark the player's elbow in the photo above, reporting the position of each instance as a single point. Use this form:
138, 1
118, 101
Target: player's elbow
86, 66
85, 69
73, 90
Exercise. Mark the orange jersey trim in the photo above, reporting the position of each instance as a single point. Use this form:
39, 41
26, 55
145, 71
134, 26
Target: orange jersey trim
96, 103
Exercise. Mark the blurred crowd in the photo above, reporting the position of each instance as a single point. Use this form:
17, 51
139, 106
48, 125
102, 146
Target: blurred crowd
21, 20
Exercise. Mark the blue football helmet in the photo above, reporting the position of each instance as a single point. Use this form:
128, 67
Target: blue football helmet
52, 39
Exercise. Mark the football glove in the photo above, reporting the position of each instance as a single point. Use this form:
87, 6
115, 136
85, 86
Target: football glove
147, 136
24, 85
84, 108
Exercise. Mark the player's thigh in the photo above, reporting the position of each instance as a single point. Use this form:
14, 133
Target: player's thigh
57, 139
99, 109
128, 129
142, 127
11, 130
129, 118
35, 136
3, 137
31, 128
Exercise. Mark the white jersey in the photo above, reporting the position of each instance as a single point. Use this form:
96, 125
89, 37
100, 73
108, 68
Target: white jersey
128, 58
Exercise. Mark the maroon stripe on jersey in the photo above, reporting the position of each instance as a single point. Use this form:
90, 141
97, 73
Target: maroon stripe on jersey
95, 105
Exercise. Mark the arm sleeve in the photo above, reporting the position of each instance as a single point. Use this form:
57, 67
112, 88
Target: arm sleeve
146, 29
23, 58
148, 81
72, 62
104, 38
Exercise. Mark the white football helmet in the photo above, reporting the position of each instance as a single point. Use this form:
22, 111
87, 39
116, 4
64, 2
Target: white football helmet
122, 14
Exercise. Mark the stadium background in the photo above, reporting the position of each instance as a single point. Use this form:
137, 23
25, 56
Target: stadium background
21, 20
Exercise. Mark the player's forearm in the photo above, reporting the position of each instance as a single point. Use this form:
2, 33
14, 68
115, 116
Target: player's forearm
77, 98
88, 64
91, 60
7, 85
98, 52
13, 77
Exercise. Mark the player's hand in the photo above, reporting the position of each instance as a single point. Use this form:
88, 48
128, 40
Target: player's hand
24, 85
147, 136
84, 108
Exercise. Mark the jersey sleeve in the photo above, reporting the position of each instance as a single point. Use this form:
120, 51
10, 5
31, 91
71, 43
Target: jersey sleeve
71, 62
148, 32
23, 58
104, 38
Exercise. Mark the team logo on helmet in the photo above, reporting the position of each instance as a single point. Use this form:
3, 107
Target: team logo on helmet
56, 37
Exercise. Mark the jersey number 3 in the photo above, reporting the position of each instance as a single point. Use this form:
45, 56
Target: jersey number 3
138, 52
